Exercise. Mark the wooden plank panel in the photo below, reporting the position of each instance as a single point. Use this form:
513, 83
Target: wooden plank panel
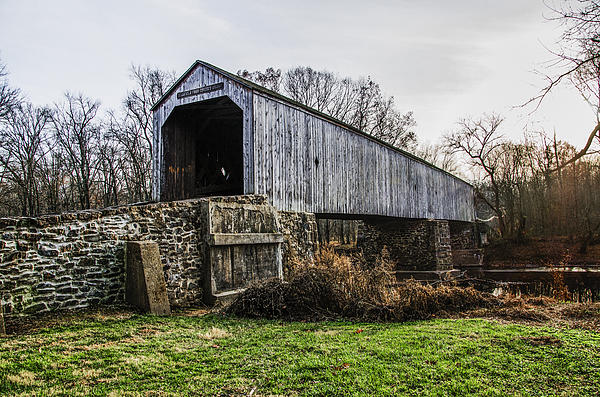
319, 166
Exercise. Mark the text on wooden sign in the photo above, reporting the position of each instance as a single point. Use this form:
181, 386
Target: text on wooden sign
200, 90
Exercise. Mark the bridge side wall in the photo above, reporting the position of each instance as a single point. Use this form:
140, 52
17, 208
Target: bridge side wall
306, 163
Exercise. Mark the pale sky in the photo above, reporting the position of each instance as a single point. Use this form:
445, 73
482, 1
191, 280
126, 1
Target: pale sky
441, 59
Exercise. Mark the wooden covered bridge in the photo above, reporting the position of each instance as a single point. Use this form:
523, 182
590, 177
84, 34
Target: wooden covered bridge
216, 133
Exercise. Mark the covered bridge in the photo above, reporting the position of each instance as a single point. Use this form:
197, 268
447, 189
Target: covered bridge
216, 133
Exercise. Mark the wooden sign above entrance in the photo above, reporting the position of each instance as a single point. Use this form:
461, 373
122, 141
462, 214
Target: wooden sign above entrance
201, 90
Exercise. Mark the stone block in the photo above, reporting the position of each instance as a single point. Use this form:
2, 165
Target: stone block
145, 282
37, 307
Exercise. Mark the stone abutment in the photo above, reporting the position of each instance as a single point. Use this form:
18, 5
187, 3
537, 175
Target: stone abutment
208, 247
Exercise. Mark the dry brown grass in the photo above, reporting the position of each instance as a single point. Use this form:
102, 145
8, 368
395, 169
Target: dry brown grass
582, 311
560, 290
23, 378
333, 285
214, 333
541, 310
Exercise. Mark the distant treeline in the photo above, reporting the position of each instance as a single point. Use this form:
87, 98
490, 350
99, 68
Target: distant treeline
531, 186
72, 155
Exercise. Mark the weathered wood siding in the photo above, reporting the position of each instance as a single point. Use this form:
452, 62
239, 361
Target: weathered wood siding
306, 163
201, 77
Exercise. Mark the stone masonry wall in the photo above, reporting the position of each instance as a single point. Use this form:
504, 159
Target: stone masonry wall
441, 240
413, 244
75, 260
462, 235
300, 236
464, 241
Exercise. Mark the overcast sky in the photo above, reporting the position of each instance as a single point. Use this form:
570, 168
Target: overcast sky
441, 59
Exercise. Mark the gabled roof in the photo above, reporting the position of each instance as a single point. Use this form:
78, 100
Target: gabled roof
259, 88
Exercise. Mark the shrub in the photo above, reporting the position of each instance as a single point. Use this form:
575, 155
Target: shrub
333, 285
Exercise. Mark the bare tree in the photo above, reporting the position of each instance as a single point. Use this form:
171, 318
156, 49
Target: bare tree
576, 59
359, 103
108, 170
480, 140
150, 85
131, 157
85, 160
391, 126
270, 78
10, 97
77, 135
439, 155
54, 182
133, 130
23, 145
312, 88
517, 181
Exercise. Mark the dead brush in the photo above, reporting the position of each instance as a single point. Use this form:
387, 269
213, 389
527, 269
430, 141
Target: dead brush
332, 285
560, 291
580, 311
420, 301
522, 308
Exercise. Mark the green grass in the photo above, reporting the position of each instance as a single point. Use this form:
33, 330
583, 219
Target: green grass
212, 355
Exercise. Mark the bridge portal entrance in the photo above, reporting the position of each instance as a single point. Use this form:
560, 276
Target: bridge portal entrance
202, 150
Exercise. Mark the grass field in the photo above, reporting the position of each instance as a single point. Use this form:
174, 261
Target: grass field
128, 354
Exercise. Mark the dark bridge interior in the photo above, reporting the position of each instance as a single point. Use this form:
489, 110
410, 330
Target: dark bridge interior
202, 150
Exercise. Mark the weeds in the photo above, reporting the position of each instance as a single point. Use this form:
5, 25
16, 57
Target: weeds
333, 285
560, 290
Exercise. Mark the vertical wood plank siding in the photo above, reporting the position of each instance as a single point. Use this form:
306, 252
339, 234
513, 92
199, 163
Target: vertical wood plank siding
201, 77
306, 163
